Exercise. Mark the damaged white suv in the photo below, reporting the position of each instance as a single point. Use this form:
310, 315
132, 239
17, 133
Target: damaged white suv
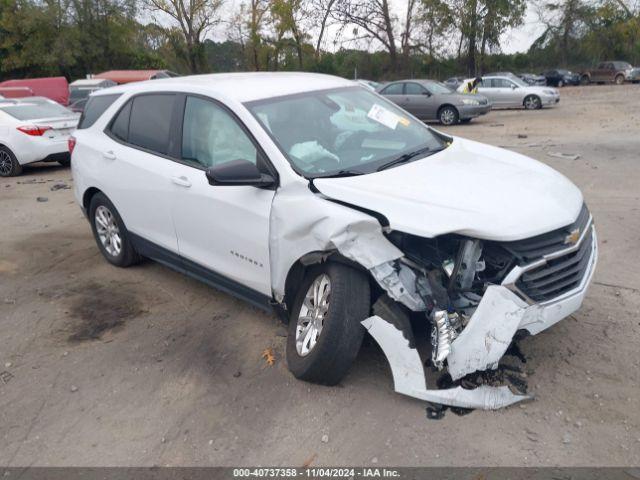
316, 197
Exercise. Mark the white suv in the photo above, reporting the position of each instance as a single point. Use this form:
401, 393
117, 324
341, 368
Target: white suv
313, 196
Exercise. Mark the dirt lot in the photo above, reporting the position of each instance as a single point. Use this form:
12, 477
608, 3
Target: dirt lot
103, 366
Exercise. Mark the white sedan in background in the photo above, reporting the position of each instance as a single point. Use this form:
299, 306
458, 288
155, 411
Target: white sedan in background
33, 129
513, 92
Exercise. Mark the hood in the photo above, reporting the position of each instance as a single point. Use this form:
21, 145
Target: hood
540, 89
469, 188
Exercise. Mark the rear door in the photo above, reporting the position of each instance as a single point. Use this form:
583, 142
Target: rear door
136, 167
395, 93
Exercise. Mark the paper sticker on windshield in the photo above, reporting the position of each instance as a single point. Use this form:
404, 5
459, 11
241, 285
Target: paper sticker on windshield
383, 116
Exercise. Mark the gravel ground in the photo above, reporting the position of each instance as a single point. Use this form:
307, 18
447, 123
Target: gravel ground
138, 367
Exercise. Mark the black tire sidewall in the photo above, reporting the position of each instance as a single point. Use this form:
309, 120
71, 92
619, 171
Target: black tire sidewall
125, 257
538, 102
16, 168
342, 333
455, 114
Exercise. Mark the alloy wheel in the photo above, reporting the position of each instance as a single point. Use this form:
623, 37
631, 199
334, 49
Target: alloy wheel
531, 103
447, 117
108, 231
312, 313
6, 163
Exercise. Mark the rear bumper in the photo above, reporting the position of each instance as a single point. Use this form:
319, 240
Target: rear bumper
38, 150
472, 111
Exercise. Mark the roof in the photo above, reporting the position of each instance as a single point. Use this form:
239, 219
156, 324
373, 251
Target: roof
242, 87
128, 76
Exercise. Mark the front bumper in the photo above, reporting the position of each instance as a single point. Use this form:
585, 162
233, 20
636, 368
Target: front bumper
549, 100
472, 111
482, 342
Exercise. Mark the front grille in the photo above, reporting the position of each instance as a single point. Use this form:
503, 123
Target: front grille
558, 275
534, 248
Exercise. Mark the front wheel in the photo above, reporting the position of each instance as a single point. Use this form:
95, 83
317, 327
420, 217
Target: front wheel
9, 166
619, 79
448, 115
560, 84
325, 333
532, 102
585, 80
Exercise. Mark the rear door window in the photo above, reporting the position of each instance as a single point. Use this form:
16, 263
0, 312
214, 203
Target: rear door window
150, 122
94, 108
394, 89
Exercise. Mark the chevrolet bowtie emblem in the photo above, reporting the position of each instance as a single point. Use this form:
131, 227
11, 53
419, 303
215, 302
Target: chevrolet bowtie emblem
573, 237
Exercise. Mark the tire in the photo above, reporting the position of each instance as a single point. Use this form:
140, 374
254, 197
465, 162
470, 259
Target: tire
532, 102
111, 224
560, 84
65, 163
619, 80
448, 115
9, 166
585, 80
338, 342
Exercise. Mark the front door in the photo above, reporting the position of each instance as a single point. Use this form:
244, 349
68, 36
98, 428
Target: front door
224, 229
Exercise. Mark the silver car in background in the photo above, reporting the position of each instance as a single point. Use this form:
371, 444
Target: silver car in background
512, 92
429, 100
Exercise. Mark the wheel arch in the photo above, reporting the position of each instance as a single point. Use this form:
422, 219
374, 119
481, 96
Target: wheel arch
298, 270
444, 105
88, 194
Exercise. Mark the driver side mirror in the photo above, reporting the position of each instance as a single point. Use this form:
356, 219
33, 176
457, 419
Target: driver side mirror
513, 87
239, 172
426, 94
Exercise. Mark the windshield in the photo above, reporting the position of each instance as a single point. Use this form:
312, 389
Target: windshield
437, 87
36, 109
518, 81
350, 129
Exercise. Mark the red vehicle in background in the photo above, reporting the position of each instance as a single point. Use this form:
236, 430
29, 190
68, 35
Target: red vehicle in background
16, 92
128, 76
54, 88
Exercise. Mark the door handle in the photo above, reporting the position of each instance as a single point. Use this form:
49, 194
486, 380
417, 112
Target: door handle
109, 155
182, 181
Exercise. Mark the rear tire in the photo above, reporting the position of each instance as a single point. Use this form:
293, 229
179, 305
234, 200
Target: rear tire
9, 165
325, 356
560, 84
585, 80
619, 79
110, 233
448, 115
532, 102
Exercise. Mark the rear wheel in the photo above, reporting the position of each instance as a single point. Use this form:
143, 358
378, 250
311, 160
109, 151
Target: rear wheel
584, 80
560, 83
532, 102
619, 79
110, 233
448, 115
9, 166
325, 333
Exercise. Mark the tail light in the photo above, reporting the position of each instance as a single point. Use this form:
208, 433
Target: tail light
71, 143
33, 130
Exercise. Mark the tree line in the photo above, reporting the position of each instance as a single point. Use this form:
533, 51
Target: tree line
378, 39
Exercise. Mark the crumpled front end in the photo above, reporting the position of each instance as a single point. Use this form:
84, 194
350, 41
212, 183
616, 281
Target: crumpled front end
478, 300
474, 295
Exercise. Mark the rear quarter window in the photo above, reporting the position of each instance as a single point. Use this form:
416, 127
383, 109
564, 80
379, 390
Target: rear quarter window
95, 107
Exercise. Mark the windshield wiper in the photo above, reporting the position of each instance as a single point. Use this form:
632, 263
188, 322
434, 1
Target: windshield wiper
342, 173
408, 156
